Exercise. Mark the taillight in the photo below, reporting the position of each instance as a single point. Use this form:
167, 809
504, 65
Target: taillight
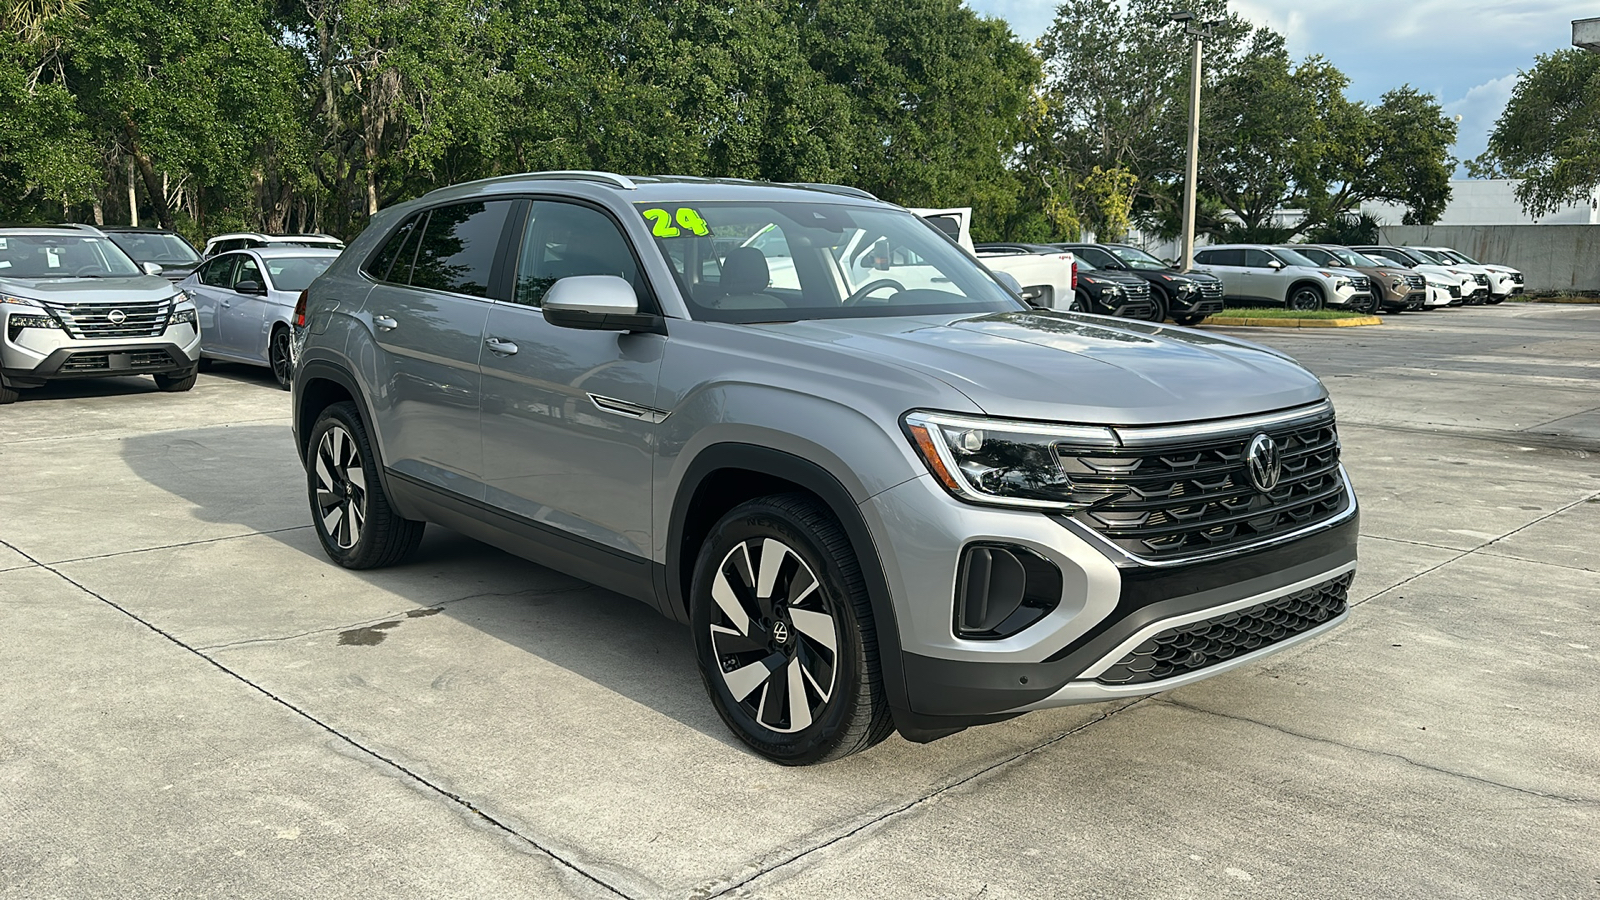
300, 308
1074, 275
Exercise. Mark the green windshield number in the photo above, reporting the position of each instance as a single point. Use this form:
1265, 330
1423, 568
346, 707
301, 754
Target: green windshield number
691, 220
661, 222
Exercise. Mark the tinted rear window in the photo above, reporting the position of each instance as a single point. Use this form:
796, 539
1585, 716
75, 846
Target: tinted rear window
458, 247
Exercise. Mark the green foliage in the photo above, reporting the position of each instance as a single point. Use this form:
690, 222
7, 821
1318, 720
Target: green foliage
1345, 230
1549, 134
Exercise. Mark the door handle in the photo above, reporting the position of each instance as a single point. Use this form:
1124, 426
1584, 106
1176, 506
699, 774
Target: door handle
224, 304
500, 347
384, 323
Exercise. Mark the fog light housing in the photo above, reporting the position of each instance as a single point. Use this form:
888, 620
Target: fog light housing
1002, 589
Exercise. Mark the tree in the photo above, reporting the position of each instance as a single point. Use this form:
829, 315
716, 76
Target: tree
1549, 134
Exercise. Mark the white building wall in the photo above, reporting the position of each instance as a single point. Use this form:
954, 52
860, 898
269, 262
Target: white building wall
1491, 202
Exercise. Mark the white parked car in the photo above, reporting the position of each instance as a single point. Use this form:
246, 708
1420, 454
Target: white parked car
1049, 281
248, 240
1504, 281
246, 302
1261, 273
1443, 290
1472, 291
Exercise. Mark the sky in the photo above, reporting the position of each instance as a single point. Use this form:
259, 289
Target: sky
1465, 52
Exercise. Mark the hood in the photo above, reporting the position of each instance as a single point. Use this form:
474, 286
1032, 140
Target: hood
1110, 277
1064, 367
1180, 277
121, 289
179, 271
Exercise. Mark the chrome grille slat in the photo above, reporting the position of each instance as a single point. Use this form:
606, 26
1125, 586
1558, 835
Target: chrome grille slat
1191, 497
92, 319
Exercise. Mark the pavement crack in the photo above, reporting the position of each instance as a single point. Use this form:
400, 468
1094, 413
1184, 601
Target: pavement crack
903, 808
454, 798
1585, 801
201, 542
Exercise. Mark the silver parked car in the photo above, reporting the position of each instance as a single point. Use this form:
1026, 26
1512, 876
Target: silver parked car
1259, 273
74, 305
884, 495
246, 300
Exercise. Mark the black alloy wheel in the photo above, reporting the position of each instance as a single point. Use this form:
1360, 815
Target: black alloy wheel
1306, 298
357, 526
784, 634
279, 356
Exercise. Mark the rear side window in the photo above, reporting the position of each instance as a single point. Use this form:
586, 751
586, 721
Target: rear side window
1099, 258
458, 247
378, 267
1221, 257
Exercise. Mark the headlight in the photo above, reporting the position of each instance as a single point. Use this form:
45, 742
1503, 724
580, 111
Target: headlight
1188, 287
1113, 289
19, 301
1397, 282
1019, 464
180, 297
1341, 284
186, 317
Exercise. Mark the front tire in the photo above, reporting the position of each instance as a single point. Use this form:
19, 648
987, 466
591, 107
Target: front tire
176, 384
1305, 298
8, 395
357, 526
784, 634
1159, 307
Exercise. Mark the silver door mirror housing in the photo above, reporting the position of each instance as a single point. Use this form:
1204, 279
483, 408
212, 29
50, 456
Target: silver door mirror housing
150, 268
597, 303
1274, 264
1010, 281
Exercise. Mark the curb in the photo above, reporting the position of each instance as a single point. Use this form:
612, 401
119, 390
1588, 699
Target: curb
1592, 301
1293, 323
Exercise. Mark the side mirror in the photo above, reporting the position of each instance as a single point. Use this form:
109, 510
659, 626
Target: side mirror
1274, 265
150, 268
250, 287
597, 303
1010, 281
877, 257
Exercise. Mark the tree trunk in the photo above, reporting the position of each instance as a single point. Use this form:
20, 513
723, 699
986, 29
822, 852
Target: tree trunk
152, 182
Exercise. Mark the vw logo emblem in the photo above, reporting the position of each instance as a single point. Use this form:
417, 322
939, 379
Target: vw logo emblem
780, 632
1264, 462
117, 316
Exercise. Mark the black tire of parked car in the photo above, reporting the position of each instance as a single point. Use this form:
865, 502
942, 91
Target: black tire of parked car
7, 395
1371, 306
1305, 298
1190, 320
278, 356
820, 580
1159, 306
1082, 302
1493, 300
342, 476
176, 384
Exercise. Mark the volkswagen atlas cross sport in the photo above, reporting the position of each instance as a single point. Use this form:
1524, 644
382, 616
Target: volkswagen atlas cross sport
74, 305
885, 495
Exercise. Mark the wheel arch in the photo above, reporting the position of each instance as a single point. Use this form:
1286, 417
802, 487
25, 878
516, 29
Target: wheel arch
724, 475
1312, 283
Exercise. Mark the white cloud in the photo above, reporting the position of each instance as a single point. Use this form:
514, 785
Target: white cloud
1479, 109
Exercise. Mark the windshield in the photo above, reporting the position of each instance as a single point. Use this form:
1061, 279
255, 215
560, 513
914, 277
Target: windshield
1386, 261
785, 262
1137, 259
161, 249
1293, 258
295, 273
1437, 259
1352, 258
1460, 257
62, 256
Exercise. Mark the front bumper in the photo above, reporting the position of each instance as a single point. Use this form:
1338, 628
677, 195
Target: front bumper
36, 356
1111, 607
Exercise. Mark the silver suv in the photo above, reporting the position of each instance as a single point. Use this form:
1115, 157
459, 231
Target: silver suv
1276, 274
883, 492
74, 305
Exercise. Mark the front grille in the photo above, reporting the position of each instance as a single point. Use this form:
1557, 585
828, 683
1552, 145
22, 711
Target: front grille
1182, 500
1188, 648
1211, 289
99, 320
1481, 278
1416, 282
1516, 277
1360, 282
1455, 291
102, 362
1140, 291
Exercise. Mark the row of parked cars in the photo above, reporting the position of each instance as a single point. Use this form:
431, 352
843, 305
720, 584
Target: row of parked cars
148, 303
1122, 280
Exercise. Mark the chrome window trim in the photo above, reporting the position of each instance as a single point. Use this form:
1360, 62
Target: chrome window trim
1136, 436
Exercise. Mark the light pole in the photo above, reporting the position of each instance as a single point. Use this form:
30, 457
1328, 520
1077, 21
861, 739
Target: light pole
1199, 31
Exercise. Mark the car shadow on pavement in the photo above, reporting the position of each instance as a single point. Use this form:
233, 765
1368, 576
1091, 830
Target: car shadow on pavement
250, 476
80, 388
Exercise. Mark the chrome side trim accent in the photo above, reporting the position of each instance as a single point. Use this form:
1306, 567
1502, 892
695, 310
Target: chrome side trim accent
1155, 628
628, 410
1076, 692
1129, 559
1134, 436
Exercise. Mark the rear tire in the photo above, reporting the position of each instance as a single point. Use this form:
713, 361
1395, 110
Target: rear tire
357, 526
176, 384
278, 356
784, 634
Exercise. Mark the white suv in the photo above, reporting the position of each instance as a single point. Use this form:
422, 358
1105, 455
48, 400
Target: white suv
250, 240
1273, 274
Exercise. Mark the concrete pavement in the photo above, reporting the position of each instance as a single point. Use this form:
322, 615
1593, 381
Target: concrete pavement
197, 704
